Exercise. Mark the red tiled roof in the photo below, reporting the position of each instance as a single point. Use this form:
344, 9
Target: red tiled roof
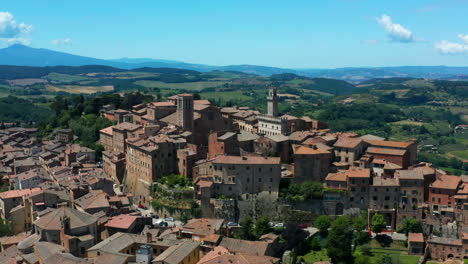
122, 221
107, 130
162, 104
302, 150
415, 237
386, 151
446, 182
338, 176
394, 144
358, 173
18, 193
347, 142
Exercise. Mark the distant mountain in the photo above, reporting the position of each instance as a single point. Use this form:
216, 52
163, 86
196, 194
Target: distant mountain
142, 60
21, 55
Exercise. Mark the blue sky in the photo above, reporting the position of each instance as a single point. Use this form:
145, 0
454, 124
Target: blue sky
294, 33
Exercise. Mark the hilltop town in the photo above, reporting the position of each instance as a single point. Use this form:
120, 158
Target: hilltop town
185, 181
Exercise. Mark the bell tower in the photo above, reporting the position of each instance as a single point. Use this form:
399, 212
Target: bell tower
272, 99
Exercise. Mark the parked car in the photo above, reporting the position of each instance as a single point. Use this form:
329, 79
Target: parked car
302, 225
279, 225
169, 219
162, 223
232, 224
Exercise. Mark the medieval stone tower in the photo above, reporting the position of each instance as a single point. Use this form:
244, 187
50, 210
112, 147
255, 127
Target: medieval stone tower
272, 99
185, 111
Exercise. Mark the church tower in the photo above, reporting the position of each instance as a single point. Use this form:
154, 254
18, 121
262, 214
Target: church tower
272, 99
185, 111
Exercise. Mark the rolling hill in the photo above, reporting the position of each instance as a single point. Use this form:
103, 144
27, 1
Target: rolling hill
20, 55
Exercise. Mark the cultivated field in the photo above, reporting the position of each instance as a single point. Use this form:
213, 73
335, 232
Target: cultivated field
194, 86
76, 89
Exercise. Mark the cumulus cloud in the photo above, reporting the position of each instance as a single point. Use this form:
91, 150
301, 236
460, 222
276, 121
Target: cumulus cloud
65, 41
447, 47
396, 32
12, 31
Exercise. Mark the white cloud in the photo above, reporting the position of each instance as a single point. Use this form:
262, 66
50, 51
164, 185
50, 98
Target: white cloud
65, 41
9, 28
24, 41
447, 47
463, 37
13, 33
396, 32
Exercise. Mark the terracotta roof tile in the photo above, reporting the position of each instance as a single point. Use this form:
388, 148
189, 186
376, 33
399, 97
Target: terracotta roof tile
347, 142
122, 221
394, 144
415, 237
386, 151
18, 193
446, 182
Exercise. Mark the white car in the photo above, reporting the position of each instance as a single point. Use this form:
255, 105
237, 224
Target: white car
279, 225
169, 219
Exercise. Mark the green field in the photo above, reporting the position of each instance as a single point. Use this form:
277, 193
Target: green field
194, 86
397, 251
226, 96
462, 154
65, 78
76, 89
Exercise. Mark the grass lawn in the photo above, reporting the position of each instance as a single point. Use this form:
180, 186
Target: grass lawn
462, 154
397, 251
195, 86
315, 256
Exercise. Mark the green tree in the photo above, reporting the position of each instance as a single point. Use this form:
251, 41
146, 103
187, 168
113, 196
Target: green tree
6, 228
339, 241
247, 228
409, 225
323, 222
359, 224
378, 223
362, 259
384, 259
262, 226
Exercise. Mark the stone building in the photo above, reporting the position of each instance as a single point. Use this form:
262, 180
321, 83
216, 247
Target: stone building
359, 181
348, 149
442, 192
411, 187
311, 163
274, 146
148, 160
415, 243
74, 230
64, 135
222, 143
400, 153
245, 176
443, 248
114, 165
